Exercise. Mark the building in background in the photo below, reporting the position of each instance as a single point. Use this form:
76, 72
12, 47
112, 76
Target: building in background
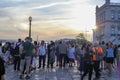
107, 22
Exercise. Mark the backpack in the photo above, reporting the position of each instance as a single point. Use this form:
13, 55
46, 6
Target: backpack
87, 58
17, 49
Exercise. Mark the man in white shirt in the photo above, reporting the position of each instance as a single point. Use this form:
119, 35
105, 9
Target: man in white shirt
42, 54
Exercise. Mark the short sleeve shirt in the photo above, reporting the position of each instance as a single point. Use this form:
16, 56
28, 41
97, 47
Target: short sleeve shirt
28, 48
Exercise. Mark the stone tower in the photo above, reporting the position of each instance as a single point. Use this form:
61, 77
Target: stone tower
107, 1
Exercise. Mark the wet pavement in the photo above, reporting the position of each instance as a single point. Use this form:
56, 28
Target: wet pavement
68, 73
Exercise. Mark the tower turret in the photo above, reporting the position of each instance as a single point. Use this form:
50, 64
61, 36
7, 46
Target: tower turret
107, 1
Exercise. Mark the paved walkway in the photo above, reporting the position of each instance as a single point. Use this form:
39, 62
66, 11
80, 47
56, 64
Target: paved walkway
56, 74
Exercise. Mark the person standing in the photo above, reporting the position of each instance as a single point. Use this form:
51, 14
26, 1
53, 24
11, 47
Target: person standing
110, 57
42, 54
34, 56
88, 63
63, 54
118, 59
6, 57
48, 55
97, 53
17, 55
26, 52
71, 54
52, 54
57, 54
83, 51
104, 48
2, 69
77, 54
1, 53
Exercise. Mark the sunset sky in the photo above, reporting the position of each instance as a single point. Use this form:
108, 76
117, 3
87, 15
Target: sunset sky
52, 19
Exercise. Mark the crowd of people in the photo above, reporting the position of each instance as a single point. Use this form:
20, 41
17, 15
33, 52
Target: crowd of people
28, 55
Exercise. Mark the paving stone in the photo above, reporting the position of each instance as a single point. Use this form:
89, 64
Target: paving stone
57, 74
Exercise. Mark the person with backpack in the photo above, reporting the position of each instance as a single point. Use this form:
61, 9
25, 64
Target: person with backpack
88, 63
26, 51
17, 55
96, 57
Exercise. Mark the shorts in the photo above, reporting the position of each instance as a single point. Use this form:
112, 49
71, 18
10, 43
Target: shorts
26, 61
109, 60
71, 60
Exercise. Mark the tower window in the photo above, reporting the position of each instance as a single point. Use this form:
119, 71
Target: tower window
112, 14
119, 15
112, 30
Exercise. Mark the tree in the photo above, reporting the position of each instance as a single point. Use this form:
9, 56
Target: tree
80, 36
80, 39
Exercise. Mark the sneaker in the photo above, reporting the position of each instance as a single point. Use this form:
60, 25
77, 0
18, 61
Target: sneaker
27, 77
39, 67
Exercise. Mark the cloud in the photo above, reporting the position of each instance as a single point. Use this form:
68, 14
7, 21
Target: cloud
52, 19
51, 5
55, 32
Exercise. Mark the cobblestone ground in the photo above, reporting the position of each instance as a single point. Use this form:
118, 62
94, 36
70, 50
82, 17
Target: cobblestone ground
57, 74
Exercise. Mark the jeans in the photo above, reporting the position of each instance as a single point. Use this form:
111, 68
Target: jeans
17, 63
63, 59
96, 68
88, 68
42, 58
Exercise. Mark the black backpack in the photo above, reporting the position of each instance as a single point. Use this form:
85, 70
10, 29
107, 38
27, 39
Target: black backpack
16, 50
87, 58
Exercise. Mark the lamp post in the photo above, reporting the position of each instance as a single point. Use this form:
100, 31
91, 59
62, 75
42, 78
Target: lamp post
30, 20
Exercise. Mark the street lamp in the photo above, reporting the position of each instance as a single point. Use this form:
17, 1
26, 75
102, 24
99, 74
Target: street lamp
30, 20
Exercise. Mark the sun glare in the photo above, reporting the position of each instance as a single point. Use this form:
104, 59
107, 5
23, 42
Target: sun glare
24, 26
82, 17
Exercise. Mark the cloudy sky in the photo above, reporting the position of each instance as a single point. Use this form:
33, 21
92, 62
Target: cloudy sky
52, 19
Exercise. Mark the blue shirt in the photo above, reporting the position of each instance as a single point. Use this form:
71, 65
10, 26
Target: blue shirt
42, 50
110, 52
